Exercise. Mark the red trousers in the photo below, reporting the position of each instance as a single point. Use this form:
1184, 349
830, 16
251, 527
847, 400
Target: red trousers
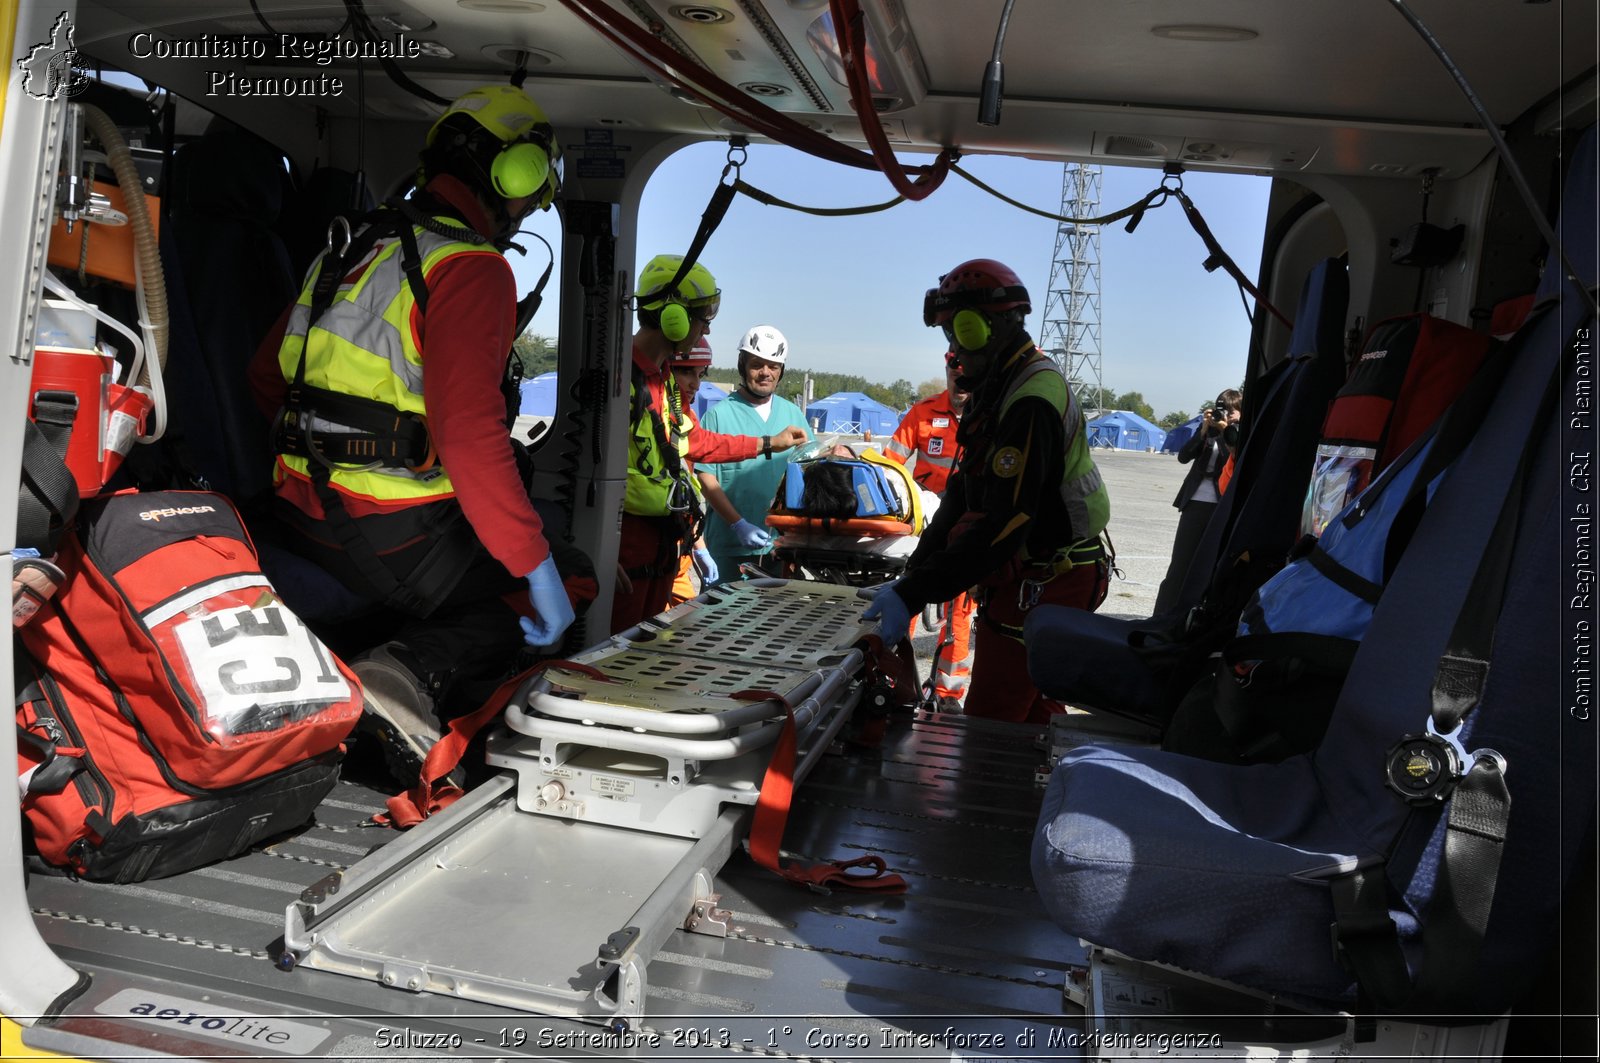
1001, 688
649, 555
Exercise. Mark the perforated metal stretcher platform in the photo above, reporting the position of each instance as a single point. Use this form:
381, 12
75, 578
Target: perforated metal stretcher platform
630, 772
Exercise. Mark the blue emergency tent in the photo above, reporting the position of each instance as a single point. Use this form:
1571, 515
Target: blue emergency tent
1180, 435
1125, 431
708, 396
852, 413
539, 396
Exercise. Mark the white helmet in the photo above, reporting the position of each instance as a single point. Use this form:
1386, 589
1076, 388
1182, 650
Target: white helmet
764, 341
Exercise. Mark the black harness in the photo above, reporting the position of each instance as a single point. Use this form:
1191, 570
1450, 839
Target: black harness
371, 434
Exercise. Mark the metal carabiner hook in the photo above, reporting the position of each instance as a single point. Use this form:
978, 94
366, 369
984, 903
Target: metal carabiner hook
738, 155
339, 224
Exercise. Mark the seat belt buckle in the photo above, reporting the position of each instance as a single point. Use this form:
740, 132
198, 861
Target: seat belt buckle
1425, 768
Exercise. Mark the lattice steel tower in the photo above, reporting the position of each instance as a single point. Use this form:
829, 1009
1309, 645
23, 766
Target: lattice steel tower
1071, 332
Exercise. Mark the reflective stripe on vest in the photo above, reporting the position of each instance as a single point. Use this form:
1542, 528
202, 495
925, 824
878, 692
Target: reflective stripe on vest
363, 346
1082, 490
647, 493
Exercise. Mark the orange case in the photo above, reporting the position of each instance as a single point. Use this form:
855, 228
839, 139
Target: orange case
111, 248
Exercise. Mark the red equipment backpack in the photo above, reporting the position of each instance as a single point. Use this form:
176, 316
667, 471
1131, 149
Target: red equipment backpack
1410, 371
177, 710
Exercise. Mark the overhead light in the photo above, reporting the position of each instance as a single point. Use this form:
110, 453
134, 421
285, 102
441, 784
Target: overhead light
515, 55
502, 7
1197, 32
702, 14
895, 75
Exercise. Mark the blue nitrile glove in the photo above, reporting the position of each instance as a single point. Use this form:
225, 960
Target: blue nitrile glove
708, 565
549, 600
889, 609
751, 537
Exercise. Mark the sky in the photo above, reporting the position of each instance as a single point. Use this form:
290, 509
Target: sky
847, 292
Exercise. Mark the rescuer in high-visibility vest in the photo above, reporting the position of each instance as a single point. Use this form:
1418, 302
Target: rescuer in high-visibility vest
389, 379
926, 442
675, 303
1024, 512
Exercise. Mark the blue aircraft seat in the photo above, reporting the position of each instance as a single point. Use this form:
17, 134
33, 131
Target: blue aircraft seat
1226, 869
1140, 668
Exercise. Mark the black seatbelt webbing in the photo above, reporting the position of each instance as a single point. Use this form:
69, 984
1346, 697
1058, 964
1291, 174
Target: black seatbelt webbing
48, 496
1479, 806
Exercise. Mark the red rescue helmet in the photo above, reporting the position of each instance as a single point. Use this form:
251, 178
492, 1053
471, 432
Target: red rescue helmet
977, 284
698, 357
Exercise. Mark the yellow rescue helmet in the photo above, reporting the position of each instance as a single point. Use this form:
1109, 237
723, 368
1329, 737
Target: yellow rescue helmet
697, 296
529, 160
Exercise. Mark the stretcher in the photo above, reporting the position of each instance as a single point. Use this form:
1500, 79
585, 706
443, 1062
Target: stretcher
861, 532
629, 776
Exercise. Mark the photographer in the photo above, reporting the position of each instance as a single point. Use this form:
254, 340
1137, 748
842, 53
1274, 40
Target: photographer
1206, 452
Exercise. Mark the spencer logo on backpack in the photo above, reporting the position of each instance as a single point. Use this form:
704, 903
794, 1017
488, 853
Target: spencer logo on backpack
176, 711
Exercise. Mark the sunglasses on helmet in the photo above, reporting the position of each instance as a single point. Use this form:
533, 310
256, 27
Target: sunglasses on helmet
936, 303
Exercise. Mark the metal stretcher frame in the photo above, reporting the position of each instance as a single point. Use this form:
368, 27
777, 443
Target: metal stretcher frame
603, 837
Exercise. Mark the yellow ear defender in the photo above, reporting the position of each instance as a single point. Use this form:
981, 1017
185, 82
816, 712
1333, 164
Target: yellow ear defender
675, 322
520, 169
971, 329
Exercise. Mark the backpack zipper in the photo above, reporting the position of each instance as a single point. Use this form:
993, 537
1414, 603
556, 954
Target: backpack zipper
47, 712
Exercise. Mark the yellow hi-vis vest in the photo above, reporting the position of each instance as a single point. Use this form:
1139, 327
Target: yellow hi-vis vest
1082, 490
362, 345
649, 486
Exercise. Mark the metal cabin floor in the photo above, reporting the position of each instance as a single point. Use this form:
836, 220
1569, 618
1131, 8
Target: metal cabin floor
949, 802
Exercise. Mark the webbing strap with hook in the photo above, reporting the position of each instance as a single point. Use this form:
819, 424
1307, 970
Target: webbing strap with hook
767, 199
425, 798
716, 210
1219, 257
772, 816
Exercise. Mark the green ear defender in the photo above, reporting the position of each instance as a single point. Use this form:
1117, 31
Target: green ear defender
520, 170
971, 328
675, 322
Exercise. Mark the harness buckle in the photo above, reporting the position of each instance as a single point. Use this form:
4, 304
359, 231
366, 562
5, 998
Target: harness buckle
1425, 768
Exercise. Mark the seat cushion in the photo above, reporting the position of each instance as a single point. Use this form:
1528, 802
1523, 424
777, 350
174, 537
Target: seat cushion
1087, 659
1213, 868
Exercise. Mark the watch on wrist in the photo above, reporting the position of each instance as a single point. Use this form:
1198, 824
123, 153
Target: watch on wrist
766, 446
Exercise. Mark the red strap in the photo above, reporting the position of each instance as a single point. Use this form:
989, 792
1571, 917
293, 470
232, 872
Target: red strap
772, 816
897, 664
423, 800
